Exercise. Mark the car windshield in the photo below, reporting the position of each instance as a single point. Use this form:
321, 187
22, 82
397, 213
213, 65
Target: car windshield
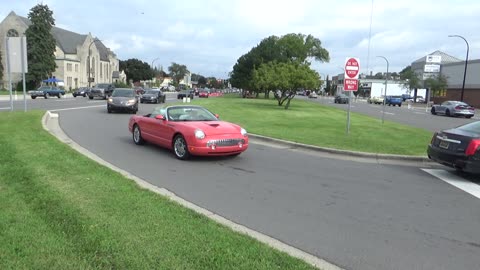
471, 127
102, 85
44, 88
153, 92
190, 113
123, 93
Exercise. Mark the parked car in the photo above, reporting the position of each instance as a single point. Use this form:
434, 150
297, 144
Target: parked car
393, 100
203, 93
406, 97
82, 91
102, 90
421, 100
153, 96
341, 99
189, 130
313, 95
185, 93
47, 91
458, 147
453, 108
123, 99
375, 100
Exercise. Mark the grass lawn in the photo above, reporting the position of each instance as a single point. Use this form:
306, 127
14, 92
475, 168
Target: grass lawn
312, 123
60, 210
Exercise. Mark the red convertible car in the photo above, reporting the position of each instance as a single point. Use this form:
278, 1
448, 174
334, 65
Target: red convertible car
188, 130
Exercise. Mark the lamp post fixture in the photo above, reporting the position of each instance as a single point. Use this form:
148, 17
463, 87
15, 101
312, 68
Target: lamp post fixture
89, 68
386, 84
466, 63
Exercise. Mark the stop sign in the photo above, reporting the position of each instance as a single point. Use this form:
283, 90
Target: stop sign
352, 68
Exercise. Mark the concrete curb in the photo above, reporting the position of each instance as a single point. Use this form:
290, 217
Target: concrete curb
375, 156
50, 124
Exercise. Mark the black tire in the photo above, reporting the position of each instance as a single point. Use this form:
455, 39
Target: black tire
447, 112
34, 97
141, 101
137, 135
470, 116
180, 148
399, 105
74, 96
90, 97
433, 111
45, 96
59, 95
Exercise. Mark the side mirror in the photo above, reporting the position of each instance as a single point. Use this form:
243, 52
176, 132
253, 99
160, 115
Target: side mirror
159, 117
217, 116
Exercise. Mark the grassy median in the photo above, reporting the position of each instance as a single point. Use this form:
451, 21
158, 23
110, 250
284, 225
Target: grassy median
312, 123
60, 210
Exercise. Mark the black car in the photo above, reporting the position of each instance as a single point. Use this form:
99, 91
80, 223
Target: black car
458, 147
341, 99
82, 91
102, 90
185, 93
153, 96
123, 99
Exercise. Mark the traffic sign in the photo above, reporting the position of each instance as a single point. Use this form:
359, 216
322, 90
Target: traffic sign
350, 85
352, 68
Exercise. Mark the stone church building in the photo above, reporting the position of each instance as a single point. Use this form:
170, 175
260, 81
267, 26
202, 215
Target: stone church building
71, 55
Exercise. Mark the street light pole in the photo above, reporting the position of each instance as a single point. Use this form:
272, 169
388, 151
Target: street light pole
386, 84
466, 63
89, 71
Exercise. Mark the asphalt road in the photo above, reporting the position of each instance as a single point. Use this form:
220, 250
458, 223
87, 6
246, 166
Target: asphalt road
418, 116
358, 215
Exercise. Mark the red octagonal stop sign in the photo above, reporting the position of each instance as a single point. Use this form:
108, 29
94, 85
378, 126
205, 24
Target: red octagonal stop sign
352, 68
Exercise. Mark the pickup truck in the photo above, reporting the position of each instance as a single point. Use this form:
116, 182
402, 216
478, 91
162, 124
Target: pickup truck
47, 91
103, 90
393, 100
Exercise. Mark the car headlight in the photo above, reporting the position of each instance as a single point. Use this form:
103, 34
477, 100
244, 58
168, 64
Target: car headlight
243, 132
110, 100
131, 101
199, 134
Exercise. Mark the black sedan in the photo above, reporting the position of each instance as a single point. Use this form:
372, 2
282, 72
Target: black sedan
458, 148
82, 91
341, 99
185, 94
152, 96
123, 99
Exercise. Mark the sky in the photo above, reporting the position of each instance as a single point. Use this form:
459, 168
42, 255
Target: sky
209, 36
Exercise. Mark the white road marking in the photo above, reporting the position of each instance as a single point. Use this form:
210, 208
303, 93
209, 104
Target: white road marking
389, 113
456, 181
418, 113
77, 108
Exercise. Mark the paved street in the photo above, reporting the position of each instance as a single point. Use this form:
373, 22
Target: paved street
356, 214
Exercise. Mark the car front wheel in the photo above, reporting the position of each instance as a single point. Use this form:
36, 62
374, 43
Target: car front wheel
137, 136
180, 147
433, 111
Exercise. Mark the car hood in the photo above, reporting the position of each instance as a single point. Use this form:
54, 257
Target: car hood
120, 99
213, 127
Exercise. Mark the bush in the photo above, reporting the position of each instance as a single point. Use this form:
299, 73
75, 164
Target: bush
121, 85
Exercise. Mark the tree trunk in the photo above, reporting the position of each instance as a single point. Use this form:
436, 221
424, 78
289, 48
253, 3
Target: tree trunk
288, 104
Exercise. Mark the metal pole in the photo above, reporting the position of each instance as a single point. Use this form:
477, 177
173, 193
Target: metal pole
7, 50
369, 38
22, 40
348, 113
466, 63
385, 97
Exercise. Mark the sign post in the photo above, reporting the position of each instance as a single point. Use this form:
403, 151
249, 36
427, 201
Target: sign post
350, 82
16, 50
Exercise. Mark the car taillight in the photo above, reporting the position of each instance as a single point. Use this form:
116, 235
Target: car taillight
433, 138
472, 147
471, 108
458, 107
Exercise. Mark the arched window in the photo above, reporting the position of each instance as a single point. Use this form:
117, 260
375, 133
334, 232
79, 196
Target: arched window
12, 33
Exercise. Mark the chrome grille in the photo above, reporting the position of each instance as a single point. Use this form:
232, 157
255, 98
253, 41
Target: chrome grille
225, 142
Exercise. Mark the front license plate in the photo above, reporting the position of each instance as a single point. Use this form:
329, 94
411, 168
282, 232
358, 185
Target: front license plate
444, 144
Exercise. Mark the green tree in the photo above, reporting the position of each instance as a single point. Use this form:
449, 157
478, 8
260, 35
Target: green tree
136, 70
40, 44
284, 79
177, 72
295, 48
437, 84
410, 79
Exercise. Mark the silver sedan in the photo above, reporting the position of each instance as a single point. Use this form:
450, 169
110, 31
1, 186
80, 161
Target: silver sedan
454, 108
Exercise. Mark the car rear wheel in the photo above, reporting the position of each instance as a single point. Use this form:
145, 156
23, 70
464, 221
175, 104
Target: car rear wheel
180, 147
137, 135
433, 111
90, 97
34, 97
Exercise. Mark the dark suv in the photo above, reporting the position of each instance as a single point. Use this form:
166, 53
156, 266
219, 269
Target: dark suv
103, 90
186, 93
